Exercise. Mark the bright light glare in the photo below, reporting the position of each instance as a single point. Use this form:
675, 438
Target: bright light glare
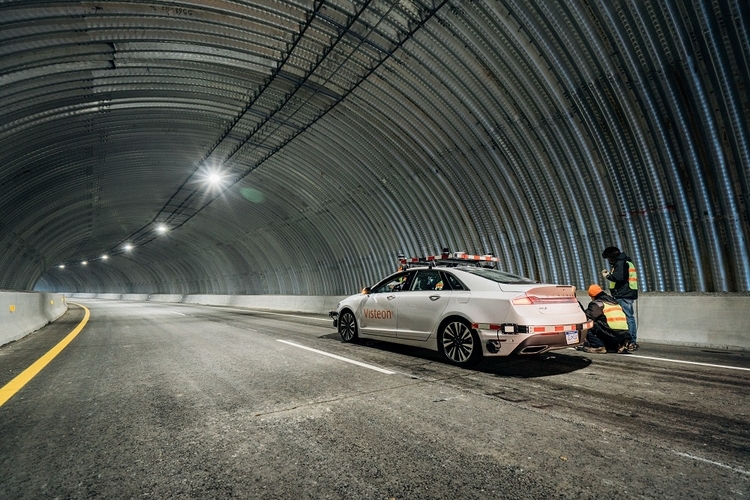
161, 229
128, 247
61, 266
84, 262
105, 257
213, 178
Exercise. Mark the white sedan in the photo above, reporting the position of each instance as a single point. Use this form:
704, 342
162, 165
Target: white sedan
464, 312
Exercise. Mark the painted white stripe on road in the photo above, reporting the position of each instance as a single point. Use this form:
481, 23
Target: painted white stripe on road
261, 311
340, 358
689, 362
328, 320
681, 361
705, 460
175, 312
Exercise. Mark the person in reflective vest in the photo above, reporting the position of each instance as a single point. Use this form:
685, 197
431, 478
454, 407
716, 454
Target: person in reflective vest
610, 330
623, 284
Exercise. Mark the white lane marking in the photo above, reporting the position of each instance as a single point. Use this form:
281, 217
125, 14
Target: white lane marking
681, 361
294, 316
261, 311
175, 312
340, 358
689, 362
705, 460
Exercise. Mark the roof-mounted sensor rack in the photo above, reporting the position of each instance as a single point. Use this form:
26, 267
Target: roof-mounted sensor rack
448, 259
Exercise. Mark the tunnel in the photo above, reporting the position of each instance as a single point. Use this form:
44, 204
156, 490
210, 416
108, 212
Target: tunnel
298, 147
219, 225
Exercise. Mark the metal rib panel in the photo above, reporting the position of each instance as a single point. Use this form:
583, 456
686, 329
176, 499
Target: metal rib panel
537, 131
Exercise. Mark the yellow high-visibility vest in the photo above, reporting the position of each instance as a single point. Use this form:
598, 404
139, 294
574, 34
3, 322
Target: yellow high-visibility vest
615, 316
632, 278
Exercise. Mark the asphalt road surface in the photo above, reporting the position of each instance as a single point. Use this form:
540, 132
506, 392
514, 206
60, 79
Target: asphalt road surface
178, 401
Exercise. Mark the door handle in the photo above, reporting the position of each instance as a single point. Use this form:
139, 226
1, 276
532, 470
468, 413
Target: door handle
434, 297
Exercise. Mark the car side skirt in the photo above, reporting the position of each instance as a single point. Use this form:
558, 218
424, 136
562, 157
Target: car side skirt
430, 343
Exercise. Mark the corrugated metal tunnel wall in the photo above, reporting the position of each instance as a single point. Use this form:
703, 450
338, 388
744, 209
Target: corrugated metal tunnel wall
346, 132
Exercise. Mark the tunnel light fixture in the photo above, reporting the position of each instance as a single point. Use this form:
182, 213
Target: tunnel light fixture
84, 262
128, 247
105, 257
216, 182
213, 178
162, 228
61, 266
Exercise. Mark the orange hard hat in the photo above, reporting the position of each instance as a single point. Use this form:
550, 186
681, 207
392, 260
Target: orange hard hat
595, 290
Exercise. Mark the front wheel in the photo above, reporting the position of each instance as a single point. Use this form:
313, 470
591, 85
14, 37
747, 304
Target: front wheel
459, 344
348, 327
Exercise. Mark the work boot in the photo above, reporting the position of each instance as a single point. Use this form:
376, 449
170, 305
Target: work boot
632, 347
595, 350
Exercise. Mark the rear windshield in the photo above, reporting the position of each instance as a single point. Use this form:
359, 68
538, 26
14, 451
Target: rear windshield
497, 276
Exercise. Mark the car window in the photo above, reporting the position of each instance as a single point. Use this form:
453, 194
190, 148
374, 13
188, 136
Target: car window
395, 283
497, 275
453, 283
427, 279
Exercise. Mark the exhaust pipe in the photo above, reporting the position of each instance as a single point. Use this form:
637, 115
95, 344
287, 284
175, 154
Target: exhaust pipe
534, 349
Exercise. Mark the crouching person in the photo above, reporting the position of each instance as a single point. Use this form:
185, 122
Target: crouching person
610, 330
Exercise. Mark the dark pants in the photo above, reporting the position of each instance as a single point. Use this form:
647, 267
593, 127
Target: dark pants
603, 337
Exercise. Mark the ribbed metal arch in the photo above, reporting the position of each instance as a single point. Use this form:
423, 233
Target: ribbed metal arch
356, 201
664, 187
536, 186
350, 131
350, 220
361, 198
519, 237
406, 172
528, 89
433, 154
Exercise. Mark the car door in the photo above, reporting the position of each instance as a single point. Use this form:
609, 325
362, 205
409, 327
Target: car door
378, 312
421, 307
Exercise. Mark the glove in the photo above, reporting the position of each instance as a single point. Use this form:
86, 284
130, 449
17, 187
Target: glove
605, 273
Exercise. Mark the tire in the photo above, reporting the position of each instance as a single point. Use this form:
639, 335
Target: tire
348, 327
458, 343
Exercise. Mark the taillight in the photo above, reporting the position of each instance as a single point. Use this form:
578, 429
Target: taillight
528, 300
523, 301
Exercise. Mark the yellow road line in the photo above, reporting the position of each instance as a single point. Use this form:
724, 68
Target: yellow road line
15, 385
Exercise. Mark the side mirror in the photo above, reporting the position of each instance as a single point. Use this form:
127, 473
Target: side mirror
366, 290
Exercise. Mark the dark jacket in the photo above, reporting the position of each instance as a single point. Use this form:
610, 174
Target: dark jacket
619, 275
595, 312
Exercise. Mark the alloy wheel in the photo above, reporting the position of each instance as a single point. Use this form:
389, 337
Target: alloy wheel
348, 327
458, 343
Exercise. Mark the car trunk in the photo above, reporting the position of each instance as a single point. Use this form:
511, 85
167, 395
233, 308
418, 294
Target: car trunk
545, 299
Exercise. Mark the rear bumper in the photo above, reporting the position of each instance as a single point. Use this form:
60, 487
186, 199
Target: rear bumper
497, 344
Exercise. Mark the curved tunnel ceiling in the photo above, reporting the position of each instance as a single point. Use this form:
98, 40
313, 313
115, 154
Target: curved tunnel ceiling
347, 132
